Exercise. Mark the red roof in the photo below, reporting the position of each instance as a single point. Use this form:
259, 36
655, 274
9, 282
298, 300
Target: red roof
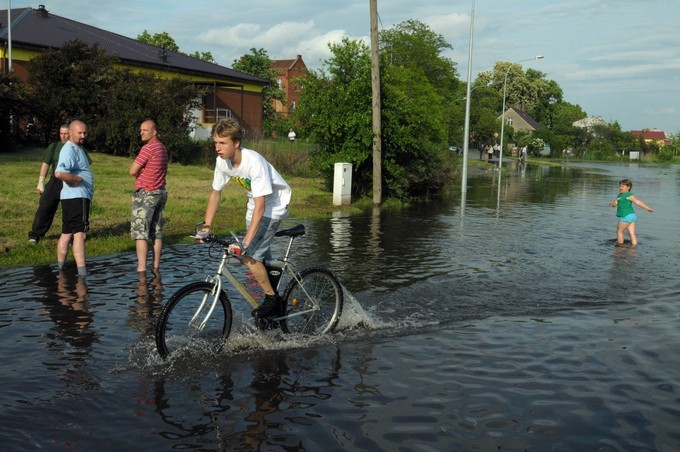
656, 135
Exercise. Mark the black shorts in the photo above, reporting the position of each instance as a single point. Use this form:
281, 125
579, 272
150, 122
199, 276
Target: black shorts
75, 215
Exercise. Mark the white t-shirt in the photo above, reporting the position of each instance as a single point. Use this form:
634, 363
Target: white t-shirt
258, 178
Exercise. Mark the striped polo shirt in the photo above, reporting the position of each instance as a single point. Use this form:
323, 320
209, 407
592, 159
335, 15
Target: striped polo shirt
153, 158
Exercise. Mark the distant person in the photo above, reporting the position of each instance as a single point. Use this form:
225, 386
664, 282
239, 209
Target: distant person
50, 192
624, 211
291, 135
268, 197
74, 170
523, 154
149, 198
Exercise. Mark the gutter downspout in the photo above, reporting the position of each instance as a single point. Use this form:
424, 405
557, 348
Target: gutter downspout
9, 36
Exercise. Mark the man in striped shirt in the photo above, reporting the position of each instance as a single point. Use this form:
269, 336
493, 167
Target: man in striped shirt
148, 201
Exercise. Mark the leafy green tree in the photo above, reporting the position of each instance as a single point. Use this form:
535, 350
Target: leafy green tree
69, 83
167, 42
414, 134
548, 95
135, 97
81, 82
163, 40
413, 45
258, 63
205, 56
12, 106
335, 110
562, 134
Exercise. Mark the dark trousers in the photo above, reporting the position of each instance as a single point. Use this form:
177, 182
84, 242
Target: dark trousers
49, 202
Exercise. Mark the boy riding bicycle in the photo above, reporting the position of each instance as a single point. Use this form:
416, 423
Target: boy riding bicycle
268, 197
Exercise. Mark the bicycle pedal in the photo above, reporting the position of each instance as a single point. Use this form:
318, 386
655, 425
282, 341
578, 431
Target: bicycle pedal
266, 324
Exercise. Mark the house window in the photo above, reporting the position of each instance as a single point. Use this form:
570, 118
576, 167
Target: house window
509, 121
280, 83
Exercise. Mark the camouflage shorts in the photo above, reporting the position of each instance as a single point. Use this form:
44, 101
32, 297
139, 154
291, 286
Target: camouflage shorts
147, 214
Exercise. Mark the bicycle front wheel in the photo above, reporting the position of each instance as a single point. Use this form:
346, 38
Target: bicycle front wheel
187, 323
313, 302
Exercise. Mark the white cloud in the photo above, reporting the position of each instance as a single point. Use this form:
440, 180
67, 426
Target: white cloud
252, 35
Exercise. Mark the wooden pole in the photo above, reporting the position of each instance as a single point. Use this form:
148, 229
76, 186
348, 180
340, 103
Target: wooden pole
375, 84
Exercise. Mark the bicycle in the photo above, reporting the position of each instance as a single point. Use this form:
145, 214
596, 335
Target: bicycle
200, 313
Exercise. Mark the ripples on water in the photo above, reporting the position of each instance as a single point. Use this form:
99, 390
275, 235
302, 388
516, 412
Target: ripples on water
511, 322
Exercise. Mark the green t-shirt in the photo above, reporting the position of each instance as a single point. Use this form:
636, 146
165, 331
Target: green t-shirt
51, 156
624, 206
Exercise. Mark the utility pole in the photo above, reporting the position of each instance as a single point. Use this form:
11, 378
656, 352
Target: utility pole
375, 84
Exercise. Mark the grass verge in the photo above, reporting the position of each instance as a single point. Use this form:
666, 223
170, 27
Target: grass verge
188, 187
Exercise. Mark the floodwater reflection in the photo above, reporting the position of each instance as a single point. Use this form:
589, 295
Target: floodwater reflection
66, 304
143, 313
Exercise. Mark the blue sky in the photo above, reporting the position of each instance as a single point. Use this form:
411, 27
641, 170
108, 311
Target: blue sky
618, 59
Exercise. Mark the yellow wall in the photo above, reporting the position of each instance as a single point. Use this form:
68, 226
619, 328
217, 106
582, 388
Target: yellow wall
27, 55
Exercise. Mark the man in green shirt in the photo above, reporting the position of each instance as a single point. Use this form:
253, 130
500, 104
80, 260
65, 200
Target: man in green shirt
50, 192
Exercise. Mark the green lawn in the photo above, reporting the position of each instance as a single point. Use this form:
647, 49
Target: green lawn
188, 188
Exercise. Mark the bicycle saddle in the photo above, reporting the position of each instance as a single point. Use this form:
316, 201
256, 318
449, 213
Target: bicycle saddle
295, 231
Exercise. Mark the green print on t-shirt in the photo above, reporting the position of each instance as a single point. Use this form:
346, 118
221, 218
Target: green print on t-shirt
245, 183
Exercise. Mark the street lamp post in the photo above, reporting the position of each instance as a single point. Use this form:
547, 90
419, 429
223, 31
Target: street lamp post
505, 85
466, 132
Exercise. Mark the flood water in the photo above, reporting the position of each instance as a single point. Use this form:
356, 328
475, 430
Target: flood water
504, 321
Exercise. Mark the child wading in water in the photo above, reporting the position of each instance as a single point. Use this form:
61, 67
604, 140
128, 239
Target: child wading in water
624, 211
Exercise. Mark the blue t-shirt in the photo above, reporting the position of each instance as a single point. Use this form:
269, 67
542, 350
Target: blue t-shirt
73, 160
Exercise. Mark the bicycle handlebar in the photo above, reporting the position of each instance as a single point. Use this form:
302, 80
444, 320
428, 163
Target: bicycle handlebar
212, 238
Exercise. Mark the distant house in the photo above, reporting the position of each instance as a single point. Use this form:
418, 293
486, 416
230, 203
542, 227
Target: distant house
288, 71
230, 93
652, 136
520, 121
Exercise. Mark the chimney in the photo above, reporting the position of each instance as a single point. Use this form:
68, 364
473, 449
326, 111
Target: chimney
42, 11
163, 55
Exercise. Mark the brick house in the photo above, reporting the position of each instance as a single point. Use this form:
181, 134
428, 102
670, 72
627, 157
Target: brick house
288, 71
230, 93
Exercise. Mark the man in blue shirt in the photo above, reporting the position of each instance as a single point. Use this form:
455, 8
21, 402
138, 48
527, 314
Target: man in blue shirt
74, 170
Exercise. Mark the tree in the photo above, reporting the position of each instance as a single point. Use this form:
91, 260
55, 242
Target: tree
412, 44
167, 42
68, 83
12, 105
335, 110
205, 56
81, 82
521, 91
562, 133
258, 63
135, 97
162, 40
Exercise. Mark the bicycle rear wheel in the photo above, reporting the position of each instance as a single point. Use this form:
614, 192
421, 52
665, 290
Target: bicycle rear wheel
313, 305
176, 329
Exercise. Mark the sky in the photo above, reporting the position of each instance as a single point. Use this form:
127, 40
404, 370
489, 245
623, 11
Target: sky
617, 59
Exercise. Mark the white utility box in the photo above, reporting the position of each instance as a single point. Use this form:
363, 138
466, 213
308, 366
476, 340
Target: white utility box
342, 184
